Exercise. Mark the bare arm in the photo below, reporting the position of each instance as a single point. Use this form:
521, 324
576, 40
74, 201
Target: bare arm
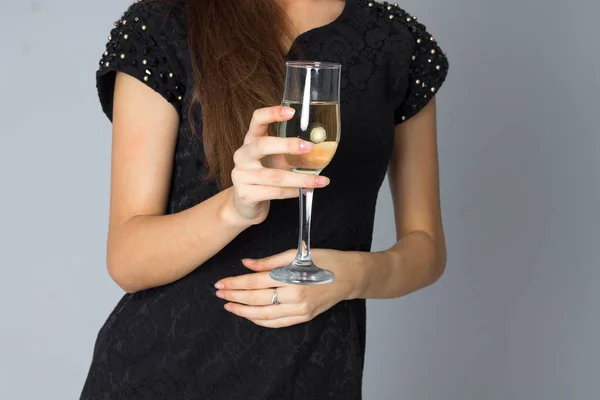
147, 248
418, 258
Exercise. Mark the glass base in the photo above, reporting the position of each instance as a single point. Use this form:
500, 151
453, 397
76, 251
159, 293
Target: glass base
302, 273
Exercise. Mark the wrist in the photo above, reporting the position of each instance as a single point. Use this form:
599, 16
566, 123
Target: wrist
356, 267
228, 213
368, 268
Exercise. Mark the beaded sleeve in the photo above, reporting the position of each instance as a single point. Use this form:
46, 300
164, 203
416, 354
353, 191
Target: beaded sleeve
427, 72
134, 48
428, 66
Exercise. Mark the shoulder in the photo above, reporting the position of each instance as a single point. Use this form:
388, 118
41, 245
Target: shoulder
160, 13
393, 30
147, 24
418, 65
148, 42
396, 20
156, 9
159, 19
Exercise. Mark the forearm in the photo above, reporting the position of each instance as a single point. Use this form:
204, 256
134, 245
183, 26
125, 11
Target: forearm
414, 262
152, 250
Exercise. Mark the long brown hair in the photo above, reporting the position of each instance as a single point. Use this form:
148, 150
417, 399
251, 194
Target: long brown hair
238, 59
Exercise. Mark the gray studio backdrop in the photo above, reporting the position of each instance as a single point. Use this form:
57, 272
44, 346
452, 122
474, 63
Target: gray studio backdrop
516, 316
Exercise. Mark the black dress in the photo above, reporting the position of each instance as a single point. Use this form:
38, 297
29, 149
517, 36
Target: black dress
176, 341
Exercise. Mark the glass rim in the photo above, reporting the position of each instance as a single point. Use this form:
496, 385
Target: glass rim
313, 64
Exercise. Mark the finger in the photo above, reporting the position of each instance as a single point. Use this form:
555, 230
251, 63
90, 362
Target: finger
257, 194
251, 153
268, 263
264, 312
263, 297
260, 297
279, 178
276, 161
262, 118
280, 322
260, 280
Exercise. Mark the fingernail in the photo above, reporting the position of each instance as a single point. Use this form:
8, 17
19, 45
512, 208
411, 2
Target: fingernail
322, 181
228, 307
219, 285
248, 261
287, 111
304, 145
220, 294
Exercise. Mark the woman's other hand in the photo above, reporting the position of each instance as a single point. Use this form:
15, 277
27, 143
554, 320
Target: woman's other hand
249, 296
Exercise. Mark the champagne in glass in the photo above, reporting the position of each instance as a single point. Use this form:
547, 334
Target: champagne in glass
323, 129
313, 90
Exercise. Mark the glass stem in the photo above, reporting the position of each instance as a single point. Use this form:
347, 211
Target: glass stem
306, 197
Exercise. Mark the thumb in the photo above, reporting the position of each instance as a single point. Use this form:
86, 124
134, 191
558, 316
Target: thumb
268, 263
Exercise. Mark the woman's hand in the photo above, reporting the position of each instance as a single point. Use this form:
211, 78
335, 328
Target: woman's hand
250, 295
255, 184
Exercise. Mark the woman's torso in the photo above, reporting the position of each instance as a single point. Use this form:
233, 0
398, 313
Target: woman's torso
176, 341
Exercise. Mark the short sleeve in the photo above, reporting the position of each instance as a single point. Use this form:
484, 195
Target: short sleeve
428, 68
135, 47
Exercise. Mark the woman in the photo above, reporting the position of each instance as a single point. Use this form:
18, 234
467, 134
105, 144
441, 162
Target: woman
203, 205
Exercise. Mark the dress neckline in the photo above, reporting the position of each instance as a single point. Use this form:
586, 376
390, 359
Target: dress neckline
346, 10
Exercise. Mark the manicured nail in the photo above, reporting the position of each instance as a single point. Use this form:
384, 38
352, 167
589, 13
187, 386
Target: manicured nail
287, 111
219, 285
220, 295
305, 145
248, 261
322, 181
228, 307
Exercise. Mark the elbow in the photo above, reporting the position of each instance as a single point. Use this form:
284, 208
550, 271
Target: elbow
120, 276
120, 272
434, 264
439, 265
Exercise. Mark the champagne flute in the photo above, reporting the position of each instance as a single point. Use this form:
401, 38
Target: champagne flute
313, 90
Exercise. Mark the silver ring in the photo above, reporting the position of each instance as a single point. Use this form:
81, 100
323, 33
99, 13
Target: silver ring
274, 299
